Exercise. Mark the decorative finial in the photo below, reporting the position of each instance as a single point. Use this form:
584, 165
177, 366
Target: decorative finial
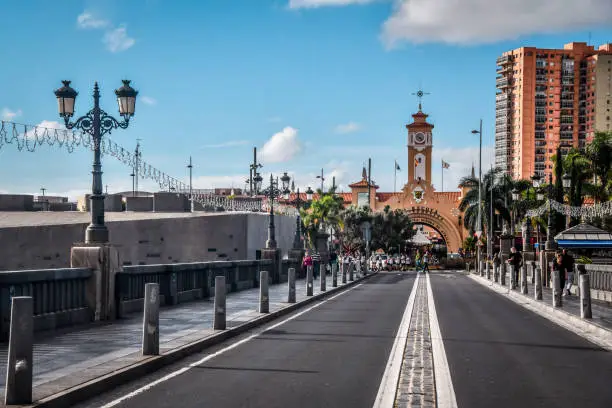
419, 94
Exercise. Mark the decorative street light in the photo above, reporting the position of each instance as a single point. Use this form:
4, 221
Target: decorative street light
273, 192
366, 231
97, 123
297, 203
322, 180
285, 179
257, 180
309, 194
567, 181
550, 241
479, 222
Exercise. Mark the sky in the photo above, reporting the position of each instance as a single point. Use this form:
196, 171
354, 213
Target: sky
313, 84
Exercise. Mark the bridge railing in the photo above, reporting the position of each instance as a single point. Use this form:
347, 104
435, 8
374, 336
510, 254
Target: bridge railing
59, 296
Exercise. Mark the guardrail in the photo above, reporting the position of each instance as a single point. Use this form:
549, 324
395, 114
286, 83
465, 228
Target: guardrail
66, 297
59, 297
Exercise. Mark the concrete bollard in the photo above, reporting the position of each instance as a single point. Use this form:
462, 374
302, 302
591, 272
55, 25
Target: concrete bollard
538, 283
150, 320
524, 287
309, 283
502, 273
334, 275
351, 272
291, 283
488, 270
467, 267
481, 268
344, 272
585, 297
510, 269
496, 273
220, 297
323, 278
557, 299
264, 296
18, 389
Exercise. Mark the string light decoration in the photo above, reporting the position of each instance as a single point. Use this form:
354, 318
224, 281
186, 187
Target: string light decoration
586, 212
30, 137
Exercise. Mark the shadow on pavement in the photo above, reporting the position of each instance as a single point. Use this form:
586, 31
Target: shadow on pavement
519, 344
389, 278
269, 370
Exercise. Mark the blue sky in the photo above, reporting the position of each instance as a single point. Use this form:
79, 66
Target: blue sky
312, 83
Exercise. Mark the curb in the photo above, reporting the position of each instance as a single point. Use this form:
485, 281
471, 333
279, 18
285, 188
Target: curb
584, 328
119, 377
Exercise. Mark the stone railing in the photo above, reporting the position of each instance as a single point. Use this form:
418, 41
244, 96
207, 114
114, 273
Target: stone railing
601, 281
67, 297
59, 296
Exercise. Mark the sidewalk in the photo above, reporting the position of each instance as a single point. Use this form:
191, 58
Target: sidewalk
96, 351
598, 329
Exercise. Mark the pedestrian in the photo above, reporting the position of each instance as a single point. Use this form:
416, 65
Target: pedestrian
306, 262
316, 264
426, 258
417, 260
568, 263
558, 265
516, 260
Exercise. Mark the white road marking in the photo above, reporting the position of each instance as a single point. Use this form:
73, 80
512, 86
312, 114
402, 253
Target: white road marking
445, 393
218, 353
390, 379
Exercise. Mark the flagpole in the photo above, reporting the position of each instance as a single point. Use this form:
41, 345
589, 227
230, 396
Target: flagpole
394, 176
442, 164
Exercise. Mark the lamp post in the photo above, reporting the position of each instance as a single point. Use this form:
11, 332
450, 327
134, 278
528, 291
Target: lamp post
97, 123
297, 203
273, 192
309, 193
479, 223
322, 180
257, 180
253, 167
550, 241
366, 231
190, 167
566, 180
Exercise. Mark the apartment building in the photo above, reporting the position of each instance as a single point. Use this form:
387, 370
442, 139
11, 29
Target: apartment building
546, 98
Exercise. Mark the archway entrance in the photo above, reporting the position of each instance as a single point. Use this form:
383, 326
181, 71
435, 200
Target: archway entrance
449, 232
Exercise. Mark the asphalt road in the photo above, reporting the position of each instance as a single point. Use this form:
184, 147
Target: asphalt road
501, 355
332, 356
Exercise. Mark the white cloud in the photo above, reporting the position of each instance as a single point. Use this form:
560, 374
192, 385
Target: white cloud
117, 40
88, 20
282, 146
348, 128
147, 100
296, 4
41, 128
8, 114
478, 21
230, 143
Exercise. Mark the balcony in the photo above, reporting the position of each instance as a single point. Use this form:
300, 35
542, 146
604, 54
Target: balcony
504, 59
540, 78
566, 135
540, 119
501, 82
540, 103
540, 135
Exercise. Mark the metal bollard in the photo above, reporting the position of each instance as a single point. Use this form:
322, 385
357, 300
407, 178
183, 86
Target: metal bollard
481, 268
538, 283
502, 274
323, 278
291, 282
344, 272
533, 272
220, 297
309, 287
150, 320
585, 297
18, 389
334, 275
511, 272
495, 273
524, 287
264, 297
556, 287
351, 272
488, 270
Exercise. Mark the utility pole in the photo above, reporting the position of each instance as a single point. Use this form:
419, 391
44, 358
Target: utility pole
322, 180
253, 173
370, 182
137, 155
43, 198
190, 167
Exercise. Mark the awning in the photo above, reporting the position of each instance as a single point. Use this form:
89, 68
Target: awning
584, 236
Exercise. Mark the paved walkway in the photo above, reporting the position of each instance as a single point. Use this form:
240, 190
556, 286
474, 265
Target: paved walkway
73, 352
602, 312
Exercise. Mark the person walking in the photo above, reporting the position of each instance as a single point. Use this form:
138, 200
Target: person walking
568, 263
559, 266
516, 260
316, 264
426, 258
417, 260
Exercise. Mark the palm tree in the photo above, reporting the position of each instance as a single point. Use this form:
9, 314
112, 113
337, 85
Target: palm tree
599, 152
501, 192
322, 212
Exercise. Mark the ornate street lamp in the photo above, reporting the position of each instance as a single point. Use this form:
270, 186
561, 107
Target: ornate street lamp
257, 180
567, 181
97, 123
272, 192
285, 179
297, 203
309, 193
550, 241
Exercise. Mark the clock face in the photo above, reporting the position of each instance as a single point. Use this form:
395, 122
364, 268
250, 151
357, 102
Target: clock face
419, 138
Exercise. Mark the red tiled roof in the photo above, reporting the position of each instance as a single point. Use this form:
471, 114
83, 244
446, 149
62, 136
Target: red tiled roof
362, 183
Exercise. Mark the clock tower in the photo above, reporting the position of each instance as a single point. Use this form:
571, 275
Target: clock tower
419, 147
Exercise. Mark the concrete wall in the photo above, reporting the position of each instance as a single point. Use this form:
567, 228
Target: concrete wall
139, 203
201, 237
16, 202
170, 202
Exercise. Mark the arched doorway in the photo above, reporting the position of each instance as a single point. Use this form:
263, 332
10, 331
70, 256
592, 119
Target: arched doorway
448, 231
